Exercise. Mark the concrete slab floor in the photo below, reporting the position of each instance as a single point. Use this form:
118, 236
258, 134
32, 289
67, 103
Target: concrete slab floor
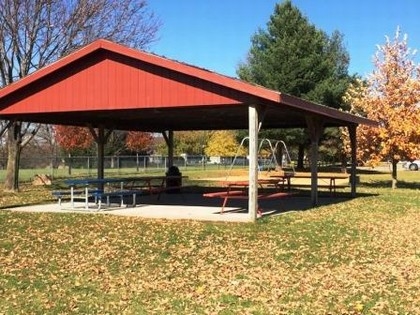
186, 206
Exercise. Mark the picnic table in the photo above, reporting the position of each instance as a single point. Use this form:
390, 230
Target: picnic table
239, 190
86, 189
330, 178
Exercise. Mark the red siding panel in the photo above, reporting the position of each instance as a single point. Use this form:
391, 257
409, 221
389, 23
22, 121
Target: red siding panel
112, 84
105, 75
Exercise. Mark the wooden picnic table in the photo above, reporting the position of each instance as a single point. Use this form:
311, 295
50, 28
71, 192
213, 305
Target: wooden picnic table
239, 190
331, 178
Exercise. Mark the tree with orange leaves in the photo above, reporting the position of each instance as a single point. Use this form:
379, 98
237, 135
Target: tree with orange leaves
138, 141
391, 96
70, 137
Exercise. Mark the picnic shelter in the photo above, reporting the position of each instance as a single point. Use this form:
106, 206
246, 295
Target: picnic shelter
106, 86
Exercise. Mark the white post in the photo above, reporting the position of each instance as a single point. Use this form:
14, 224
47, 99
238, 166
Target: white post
253, 165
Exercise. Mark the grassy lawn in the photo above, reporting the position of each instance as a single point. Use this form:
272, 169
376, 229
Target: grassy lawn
28, 174
361, 256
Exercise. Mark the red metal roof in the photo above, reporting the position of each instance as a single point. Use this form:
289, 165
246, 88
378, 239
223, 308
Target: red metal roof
118, 87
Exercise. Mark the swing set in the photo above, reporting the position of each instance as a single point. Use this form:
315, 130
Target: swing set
273, 155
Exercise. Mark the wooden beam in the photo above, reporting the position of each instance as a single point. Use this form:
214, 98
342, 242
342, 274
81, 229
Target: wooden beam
96, 136
316, 128
101, 152
169, 139
353, 142
101, 138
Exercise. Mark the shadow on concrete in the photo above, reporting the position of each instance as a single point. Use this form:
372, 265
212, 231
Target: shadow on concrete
299, 201
190, 204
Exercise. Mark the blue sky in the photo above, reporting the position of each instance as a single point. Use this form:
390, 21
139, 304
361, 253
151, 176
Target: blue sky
215, 34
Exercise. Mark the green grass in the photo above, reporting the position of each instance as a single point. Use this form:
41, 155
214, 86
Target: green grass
361, 256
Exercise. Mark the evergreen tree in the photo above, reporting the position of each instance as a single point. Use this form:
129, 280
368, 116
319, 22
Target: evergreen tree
292, 56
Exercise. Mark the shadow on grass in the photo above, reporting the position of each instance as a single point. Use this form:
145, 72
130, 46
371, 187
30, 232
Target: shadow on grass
388, 183
302, 201
296, 203
369, 172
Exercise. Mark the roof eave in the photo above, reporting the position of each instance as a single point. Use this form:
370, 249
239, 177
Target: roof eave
325, 111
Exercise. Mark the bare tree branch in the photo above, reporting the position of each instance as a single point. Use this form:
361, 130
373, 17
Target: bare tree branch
28, 136
34, 33
5, 127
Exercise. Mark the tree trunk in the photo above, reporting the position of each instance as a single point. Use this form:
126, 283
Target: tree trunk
301, 155
394, 174
14, 149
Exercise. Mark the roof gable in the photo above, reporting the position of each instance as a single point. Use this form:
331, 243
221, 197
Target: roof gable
105, 81
105, 75
119, 87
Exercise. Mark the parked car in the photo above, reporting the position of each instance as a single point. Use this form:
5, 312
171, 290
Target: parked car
412, 166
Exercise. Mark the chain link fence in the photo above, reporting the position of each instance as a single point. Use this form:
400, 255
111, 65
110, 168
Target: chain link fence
86, 166
61, 167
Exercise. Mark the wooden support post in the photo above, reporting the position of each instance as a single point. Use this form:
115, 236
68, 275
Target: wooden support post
316, 128
353, 143
253, 162
169, 139
101, 139
101, 152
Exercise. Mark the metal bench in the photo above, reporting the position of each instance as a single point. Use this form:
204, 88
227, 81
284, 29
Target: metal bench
77, 194
119, 193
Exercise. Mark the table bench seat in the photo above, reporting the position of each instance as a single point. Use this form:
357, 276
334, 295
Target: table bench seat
119, 193
77, 194
329, 179
241, 194
331, 187
131, 192
237, 194
223, 194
